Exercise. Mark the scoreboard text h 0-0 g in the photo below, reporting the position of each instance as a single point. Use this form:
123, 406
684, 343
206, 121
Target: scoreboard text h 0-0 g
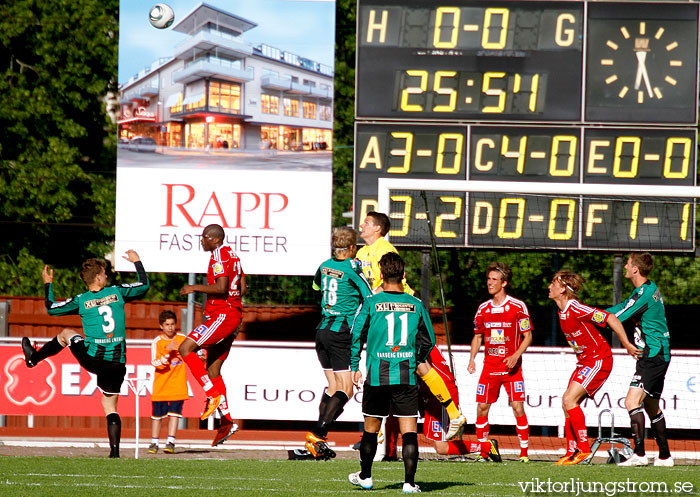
595, 99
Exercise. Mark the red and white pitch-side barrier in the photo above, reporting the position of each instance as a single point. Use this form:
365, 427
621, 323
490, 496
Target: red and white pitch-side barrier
283, 381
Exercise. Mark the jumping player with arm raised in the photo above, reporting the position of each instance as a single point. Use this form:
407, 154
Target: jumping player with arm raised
102, 349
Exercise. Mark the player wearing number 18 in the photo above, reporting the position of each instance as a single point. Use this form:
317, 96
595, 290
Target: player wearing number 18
344, 287
103, 349
399, 335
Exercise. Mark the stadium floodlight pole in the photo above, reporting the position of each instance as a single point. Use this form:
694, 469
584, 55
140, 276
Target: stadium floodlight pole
433, 245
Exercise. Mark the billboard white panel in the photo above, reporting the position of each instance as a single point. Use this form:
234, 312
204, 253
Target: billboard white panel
265, 382
278, 222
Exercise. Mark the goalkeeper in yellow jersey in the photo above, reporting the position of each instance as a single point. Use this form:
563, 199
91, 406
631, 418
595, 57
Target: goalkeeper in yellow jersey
372, 230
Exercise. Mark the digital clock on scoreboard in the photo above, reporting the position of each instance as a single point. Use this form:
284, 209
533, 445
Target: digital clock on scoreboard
520, 60
567, 95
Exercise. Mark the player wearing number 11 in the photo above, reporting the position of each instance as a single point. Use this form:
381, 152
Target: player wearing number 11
103, 349
399, 335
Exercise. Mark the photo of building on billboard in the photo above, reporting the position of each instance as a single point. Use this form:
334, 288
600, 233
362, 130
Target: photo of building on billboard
226, 117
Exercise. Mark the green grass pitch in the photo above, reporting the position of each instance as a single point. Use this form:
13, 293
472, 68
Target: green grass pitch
73, 477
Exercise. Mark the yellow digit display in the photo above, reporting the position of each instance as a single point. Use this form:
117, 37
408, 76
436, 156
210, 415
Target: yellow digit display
482, 211
494, 92
520, 154
684, 222
571, 156
457, 212
687, 145
414, 90
502, 28
570, 205
519, 204
636, 142
405, 152
445, 91
457, 162
453, 27
634, 221
404, 216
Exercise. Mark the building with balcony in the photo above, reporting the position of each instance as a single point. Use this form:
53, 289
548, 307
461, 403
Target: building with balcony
217, 91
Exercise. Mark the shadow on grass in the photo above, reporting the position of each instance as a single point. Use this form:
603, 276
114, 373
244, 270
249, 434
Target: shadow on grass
428, 486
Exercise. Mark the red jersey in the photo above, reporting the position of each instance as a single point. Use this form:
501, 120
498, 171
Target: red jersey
578, 323
224, 262
441, 367
502, 326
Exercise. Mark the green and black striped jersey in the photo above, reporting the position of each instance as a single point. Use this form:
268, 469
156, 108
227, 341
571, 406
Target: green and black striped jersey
645, 306
344, 287
399, 335
102, 315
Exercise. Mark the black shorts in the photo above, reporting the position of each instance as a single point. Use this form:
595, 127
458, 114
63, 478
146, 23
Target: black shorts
650, 375
164, 408
402, 400
110, 375
333, 349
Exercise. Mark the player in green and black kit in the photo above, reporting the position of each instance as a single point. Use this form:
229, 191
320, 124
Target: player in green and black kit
103, 349
399, 336
645, 307
344, 287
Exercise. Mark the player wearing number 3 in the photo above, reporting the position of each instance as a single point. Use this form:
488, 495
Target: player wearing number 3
103, 349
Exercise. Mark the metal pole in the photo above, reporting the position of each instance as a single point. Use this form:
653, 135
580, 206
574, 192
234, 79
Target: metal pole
440, 286
190, 304
617, 290
425, 278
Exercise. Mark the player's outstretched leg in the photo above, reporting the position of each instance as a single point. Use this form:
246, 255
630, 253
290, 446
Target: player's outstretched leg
32, 357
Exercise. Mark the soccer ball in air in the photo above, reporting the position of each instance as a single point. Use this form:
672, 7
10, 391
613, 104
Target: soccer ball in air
161, 16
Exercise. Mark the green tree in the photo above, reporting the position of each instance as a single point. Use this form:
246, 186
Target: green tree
57, 150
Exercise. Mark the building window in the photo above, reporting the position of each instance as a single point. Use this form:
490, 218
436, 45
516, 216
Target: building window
309, 110
324, 112
269, 137
270, 104
224, 97
291, 107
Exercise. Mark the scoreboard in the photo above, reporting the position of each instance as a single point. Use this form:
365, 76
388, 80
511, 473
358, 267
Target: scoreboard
573, 92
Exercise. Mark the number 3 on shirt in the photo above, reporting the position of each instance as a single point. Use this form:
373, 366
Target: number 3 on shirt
106, 312
390, 322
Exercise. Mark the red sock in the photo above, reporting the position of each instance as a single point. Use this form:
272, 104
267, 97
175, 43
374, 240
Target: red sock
484, 449
523, 431
482, 428
578, 424
570, 440
219, 385
199, 372
460, 447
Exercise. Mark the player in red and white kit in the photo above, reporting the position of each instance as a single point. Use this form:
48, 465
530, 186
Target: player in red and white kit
504, 324
594, 358
437, 421
223, 312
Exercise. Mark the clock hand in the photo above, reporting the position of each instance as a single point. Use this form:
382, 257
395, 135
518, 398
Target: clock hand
642, 73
